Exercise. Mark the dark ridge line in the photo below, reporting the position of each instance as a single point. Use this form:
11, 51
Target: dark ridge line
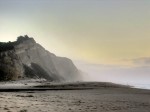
42, 89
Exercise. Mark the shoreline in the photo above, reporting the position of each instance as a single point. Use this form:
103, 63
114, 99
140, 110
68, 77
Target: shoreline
74, 97
43, 85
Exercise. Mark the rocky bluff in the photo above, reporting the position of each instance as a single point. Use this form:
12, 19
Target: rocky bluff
25, 58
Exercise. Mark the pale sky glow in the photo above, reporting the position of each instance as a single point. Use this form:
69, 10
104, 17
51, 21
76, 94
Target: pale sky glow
97, 31
108, 32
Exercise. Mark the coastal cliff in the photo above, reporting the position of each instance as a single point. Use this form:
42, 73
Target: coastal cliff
25, 58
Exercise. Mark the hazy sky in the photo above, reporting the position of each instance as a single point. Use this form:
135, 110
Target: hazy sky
108, 32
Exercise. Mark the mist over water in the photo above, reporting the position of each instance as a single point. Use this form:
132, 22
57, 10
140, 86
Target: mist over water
137, 77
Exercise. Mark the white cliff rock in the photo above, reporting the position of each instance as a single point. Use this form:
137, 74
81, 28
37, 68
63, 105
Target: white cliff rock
30, 59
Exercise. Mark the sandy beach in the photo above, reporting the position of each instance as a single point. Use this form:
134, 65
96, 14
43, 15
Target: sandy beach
97, 97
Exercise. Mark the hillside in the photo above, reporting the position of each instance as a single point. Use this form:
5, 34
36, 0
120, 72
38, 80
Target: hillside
25, 58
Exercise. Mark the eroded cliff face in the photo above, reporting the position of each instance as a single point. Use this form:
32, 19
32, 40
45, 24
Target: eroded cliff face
10, 66
26, 58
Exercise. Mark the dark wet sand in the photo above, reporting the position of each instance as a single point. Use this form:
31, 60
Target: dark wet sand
98, 97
